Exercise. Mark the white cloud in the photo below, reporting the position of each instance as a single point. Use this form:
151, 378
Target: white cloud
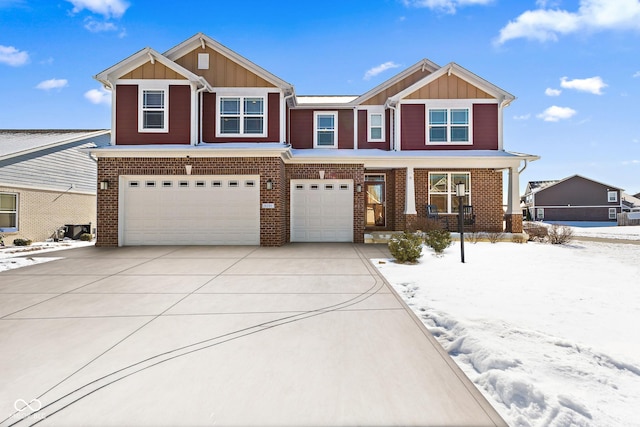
546, 24
522, 117
552, 92
99, 27
98, 96
592, 84
52, 84
636, 74
11, 56
555, 113
380, 69
446, 6
106, 8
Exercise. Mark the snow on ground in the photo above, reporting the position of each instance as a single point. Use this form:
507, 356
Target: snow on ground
18, 256
602, 230
548, 333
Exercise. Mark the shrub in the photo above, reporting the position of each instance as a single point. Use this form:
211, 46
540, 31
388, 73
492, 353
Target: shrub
560, 234
425, 224
495, 236
21, 242
86, 237
473, 237
518, 238
537, 233
406, 247
438, 240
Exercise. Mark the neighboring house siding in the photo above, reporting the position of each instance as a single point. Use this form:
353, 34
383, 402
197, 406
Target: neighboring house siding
127, 117
55, 168
576, 191
209, 121
42, 212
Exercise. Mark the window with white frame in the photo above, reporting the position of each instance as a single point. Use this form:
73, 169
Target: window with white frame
442, 190
325, 130
241, 116
613, 213
612, 196
540, 214
376, 126
8, 212
154, 111
448, 125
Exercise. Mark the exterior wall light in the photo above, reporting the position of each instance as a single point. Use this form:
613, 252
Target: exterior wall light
104, 185
269, 184
358, 188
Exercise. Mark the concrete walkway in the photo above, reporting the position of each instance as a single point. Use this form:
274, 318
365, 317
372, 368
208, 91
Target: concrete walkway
304, 334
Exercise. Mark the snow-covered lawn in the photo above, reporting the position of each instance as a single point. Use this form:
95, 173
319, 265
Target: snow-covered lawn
18, 256
549, 333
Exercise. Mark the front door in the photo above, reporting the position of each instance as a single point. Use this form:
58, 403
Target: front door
375, 204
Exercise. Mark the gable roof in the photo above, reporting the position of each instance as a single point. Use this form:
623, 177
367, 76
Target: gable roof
202, 40
20, 142
554, 183
501, 95
141, 57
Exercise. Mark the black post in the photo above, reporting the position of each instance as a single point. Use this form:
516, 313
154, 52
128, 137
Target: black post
461, 227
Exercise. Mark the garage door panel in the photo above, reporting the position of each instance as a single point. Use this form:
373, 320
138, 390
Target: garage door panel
191, 210
321, 210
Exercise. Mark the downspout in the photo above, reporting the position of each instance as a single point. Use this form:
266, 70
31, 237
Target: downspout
287, 115
108, 85
199, 95
392, 132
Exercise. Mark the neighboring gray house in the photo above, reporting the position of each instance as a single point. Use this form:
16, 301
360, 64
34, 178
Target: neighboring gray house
575, 198
47, 181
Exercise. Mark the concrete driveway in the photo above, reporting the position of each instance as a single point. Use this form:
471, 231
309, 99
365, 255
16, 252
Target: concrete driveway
304, 334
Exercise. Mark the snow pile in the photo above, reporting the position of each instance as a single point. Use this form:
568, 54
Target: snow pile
12, 257
548, 333
600, 230
18, 262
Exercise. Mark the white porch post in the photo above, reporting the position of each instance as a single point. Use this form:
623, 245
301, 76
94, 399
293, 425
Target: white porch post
513, 196
410, 194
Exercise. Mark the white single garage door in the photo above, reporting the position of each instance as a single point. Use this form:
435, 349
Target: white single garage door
190, 210
322, 210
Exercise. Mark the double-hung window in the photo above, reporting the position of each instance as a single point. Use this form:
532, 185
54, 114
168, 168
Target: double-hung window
8, 212
154, 111
612, 196
448, 125
325, 130
442, 190
376, 126
241, 116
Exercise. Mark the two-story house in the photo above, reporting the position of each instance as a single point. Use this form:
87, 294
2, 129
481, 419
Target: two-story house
209, 148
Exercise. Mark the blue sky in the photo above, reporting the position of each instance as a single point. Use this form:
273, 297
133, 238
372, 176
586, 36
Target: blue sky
574, 66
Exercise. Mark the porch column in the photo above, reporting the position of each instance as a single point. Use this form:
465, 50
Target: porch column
410, 213
513, 216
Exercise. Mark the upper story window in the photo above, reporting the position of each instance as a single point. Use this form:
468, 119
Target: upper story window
376, 126
154, 111
442, 190
325, 131
448, 125
8, 212
612, 196
241, 116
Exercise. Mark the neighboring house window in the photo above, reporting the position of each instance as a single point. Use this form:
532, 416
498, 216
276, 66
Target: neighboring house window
376, 127
8, 212
241, 115
154, 110
442, 190
613, 214
540, 214
612, 196
448, 125
325, 131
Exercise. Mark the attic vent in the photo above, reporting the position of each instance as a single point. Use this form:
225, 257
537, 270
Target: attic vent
203, 61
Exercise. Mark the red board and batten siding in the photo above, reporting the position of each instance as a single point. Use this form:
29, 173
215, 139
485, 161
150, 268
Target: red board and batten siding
127, 117
485, 128
209, 121
363, 131
301, 128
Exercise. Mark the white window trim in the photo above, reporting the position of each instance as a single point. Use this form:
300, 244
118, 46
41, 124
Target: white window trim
370, 113
315, 129
613, 213
451, 193
153, 85
539, 214
613, 199
242, 94
16, 228
449, 104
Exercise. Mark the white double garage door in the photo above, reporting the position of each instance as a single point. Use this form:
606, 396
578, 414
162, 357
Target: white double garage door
225, 210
